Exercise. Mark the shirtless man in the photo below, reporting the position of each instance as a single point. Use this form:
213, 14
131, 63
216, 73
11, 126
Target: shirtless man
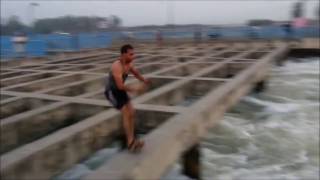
116, 93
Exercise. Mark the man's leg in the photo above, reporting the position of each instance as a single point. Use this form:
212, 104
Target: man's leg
132, 118
138, 143
127, 122
129, 126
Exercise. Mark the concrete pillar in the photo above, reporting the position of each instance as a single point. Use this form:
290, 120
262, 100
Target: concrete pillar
280, 62
260, 86
191, 162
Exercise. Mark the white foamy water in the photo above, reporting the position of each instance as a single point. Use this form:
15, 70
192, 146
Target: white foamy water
273, 135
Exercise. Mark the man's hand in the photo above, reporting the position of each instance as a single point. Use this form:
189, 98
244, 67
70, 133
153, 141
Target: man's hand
147, 81
138, 88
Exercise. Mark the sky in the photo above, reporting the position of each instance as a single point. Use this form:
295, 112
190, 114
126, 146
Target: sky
134, 13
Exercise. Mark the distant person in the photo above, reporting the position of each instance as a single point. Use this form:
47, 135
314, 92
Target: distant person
159, 38
117, 93
288, 30
197, 36
215, 33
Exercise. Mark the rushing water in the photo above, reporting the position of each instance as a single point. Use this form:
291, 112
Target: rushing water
273, 135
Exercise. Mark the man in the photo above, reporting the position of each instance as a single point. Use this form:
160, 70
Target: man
116, 93
159, 37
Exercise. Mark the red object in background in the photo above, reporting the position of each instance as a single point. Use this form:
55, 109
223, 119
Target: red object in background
300, 22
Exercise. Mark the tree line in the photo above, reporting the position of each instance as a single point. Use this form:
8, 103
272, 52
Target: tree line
65, 24
77, 24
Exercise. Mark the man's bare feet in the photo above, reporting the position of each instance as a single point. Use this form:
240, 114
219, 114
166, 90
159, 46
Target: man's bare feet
135, 145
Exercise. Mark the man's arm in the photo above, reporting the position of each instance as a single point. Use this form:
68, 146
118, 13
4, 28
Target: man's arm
136, 73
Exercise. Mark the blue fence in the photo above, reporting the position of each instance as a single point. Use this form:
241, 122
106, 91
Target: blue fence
6, 46
39, 45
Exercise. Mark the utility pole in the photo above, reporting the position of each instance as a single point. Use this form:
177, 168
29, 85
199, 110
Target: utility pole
32, 13
170, 15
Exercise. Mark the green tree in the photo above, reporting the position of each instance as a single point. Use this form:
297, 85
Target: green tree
13, 25
298, 10
70, 24
115, 21
259, 22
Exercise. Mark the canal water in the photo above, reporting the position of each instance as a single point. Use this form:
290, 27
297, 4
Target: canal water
273, 135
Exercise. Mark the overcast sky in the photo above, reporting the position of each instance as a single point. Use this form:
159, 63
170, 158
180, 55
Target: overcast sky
160, 12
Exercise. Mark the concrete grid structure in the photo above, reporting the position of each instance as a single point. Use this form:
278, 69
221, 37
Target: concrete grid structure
54, 113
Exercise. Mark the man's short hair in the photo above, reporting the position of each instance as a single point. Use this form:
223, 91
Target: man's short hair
125, 48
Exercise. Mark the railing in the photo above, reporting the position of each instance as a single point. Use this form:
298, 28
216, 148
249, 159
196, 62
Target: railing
40, 45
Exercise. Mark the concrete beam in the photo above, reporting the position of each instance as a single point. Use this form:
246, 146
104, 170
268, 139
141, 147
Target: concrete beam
182, 131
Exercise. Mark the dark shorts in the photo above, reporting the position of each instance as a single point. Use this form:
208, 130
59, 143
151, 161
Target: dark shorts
117, 98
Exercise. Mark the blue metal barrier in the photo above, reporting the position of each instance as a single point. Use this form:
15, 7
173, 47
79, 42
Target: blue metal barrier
39, 45
59, 41
6, 47
36, 46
